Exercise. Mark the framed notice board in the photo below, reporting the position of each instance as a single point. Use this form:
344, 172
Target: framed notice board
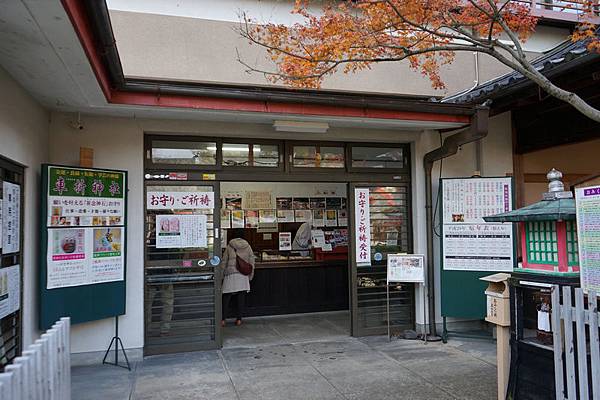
470, 247
83, 233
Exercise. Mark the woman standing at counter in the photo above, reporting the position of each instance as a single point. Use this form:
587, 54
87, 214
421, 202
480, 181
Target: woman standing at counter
236, 284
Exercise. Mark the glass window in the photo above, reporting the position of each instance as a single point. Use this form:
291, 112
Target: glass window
318, 157
377, 157
236, 154
250, 155
265, 155
188, 153
305, 156
332, 157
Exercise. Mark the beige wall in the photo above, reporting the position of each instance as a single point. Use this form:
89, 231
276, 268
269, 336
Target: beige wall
200, 50
117, 143
24, 139
572, 159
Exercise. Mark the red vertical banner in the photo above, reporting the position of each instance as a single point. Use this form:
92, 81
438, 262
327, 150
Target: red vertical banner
362, 234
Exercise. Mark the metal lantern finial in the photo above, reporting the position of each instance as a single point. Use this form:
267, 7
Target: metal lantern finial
555, 183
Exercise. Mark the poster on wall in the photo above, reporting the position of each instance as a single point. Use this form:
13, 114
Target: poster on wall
181, 231
10, 290
85, 222
405, 268
331, 218
284, 203
180, 200
342, 217
285, 241
11, 214
258, 199
362, 232
469, 243
225, 218
303, 215
237, 219
587, 201
318, 218
285, 215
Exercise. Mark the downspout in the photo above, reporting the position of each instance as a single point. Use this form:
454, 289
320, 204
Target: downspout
478, 129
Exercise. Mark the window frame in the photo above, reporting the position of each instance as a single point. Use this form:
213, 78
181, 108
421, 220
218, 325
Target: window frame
149, 138
406, 156
317, 144
280, 148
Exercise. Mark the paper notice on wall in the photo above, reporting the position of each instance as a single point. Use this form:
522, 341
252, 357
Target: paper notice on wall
84, 256
331, 218
318, 238
588, 231
285, 241
258, 200
478, 247
68, 259
318, 218
342, 217
225, 218
10, 290
1, 226
181, 231
303, 215
11, 214
107, 256
285, 215
468, 200
237, 219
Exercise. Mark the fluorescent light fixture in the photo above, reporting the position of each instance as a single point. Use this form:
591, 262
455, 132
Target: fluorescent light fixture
301, 126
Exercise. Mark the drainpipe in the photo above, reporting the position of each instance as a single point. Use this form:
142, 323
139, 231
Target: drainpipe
478, 129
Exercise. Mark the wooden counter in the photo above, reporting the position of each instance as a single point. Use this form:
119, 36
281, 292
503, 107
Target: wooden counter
291, 287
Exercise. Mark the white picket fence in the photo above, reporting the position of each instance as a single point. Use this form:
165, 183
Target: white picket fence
43, 372
571, 349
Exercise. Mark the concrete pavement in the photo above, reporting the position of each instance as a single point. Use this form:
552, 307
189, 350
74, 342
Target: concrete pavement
302, 357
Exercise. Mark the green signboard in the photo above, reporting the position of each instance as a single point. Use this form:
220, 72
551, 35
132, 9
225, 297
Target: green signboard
83, 242
470, 248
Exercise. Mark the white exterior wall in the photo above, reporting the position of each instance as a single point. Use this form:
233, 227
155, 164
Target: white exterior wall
24, 139
118, 143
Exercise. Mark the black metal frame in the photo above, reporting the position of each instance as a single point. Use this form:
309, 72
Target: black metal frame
353, 177
356, 330
15, 173
182, 347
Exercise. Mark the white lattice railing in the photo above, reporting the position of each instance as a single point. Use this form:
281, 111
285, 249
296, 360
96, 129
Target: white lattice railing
43, 371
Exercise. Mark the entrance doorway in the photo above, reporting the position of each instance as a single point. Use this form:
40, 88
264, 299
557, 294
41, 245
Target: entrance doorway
274, 195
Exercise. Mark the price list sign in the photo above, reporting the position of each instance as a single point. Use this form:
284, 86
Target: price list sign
469, 243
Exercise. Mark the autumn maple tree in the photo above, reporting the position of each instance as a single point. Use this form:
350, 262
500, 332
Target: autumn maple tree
352, 35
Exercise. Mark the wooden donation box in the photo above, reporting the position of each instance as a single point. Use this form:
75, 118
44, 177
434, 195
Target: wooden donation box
549, 256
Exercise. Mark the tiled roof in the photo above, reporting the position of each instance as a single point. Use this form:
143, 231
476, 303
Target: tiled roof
545, 210
562, 56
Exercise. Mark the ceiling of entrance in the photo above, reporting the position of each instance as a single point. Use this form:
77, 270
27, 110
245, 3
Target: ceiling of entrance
40, 49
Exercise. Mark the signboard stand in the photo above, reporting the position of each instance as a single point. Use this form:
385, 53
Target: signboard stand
471, 248
404, 268
118, 342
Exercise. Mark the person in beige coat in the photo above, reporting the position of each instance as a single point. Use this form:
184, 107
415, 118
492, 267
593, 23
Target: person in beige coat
236, 285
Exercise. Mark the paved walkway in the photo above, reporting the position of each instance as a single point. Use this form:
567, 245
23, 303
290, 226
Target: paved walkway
303, 357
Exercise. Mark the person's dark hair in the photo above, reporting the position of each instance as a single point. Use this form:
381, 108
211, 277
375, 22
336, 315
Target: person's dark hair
237, 233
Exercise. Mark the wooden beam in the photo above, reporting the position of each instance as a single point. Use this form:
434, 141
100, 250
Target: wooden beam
541, 178
86, 157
